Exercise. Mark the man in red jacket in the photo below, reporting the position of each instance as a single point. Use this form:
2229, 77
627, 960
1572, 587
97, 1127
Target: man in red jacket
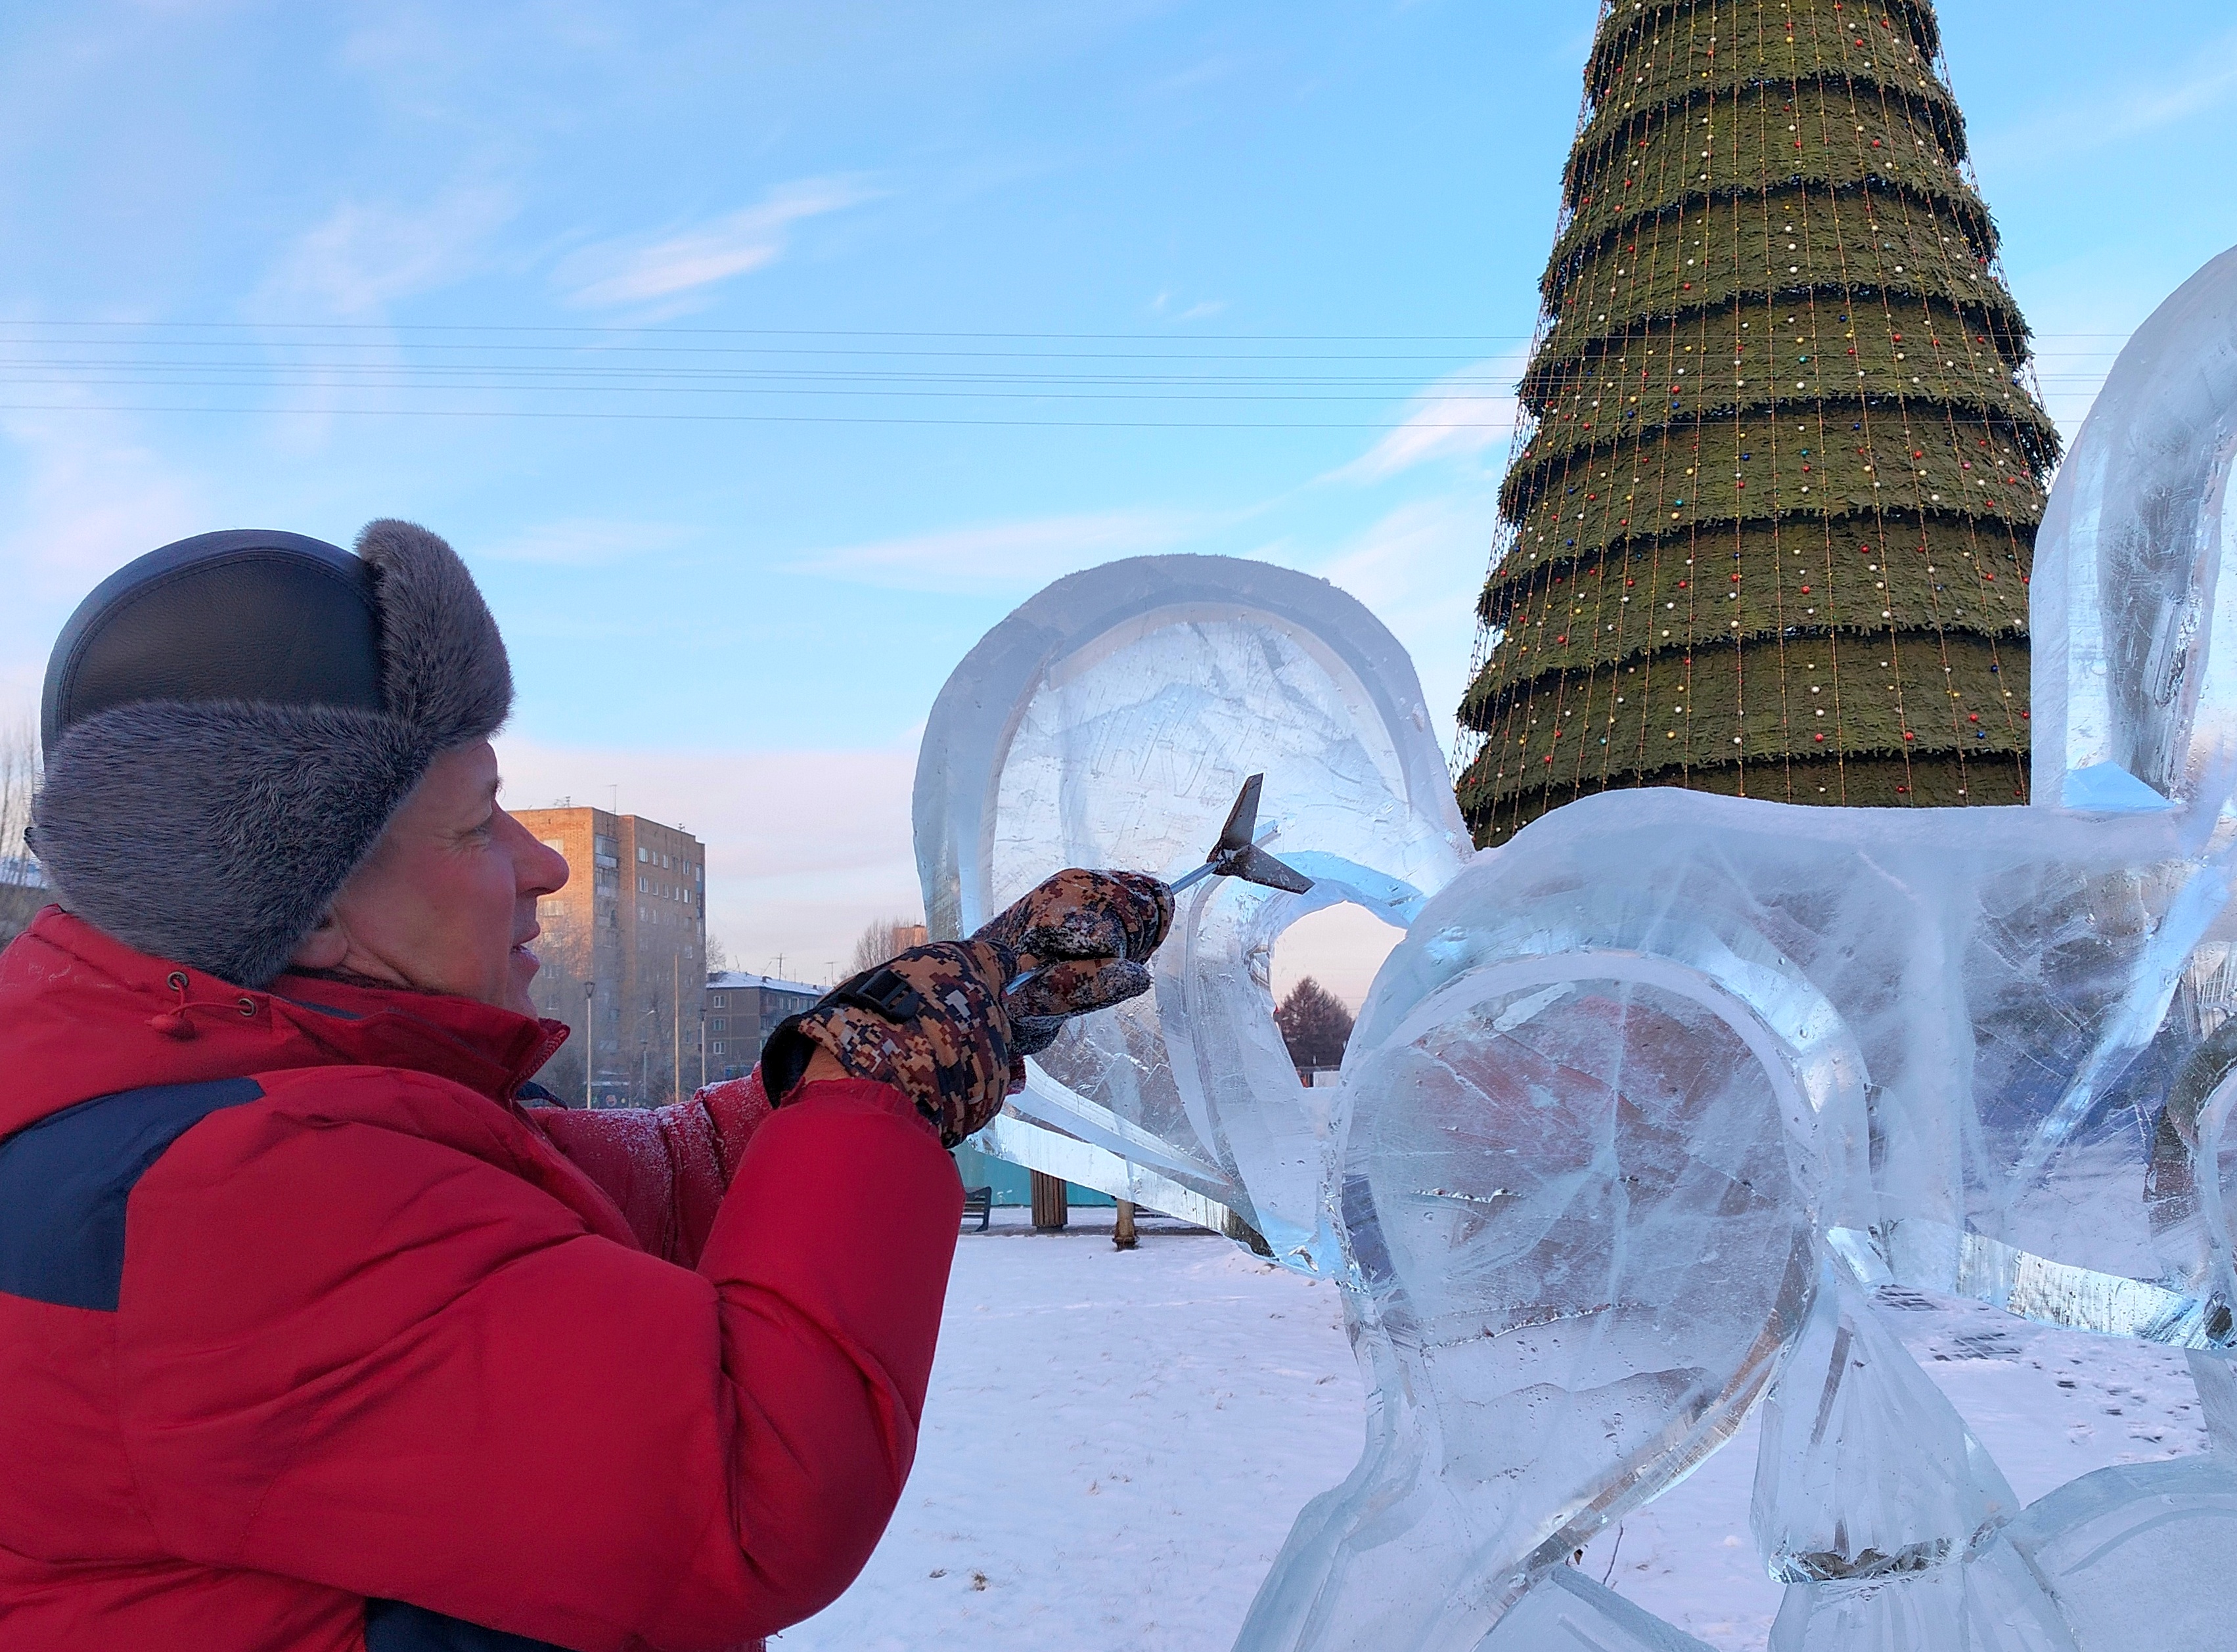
315, 1335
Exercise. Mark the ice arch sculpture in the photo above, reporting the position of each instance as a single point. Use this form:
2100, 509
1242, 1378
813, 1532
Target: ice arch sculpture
1650, 1102
1109, 721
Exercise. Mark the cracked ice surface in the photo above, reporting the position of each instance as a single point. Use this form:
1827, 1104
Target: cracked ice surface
1938, 984
1578, 1244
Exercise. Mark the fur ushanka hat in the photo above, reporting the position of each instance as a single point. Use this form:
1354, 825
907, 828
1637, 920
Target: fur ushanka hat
230, 721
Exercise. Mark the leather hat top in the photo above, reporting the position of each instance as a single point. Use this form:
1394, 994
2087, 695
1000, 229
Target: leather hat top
245, 614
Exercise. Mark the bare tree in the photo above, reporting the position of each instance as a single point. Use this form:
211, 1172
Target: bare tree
23, 887
1315, 1025
718, 956
884, 937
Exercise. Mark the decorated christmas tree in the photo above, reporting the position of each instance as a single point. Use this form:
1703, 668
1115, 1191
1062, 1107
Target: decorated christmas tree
1769, 523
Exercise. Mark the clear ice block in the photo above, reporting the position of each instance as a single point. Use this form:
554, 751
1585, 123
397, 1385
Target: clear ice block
1877, 1507
2138, 1558
2134, 626
1577, 1239
1992, 1603
1566, 1611
1864, 1471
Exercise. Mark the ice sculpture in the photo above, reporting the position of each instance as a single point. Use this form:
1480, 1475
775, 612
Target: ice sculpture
1648, 1102
1111, 722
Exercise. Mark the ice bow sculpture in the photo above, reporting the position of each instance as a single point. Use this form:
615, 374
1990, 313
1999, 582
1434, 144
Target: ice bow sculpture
1647, 1102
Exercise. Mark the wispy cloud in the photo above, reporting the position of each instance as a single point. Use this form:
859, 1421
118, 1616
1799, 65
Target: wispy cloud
89, 493
364, 256
199, 10
1002, 556
1208, 71
93, 494
586, 543
1166, 307
1459, 416
2121, 114
1418, 568
681, 262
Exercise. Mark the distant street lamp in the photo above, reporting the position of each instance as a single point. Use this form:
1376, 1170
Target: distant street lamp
590, 1048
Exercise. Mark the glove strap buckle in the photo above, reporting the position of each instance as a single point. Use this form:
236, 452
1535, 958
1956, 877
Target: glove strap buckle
884, 993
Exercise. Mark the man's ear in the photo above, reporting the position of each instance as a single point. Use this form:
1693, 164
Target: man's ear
324, 948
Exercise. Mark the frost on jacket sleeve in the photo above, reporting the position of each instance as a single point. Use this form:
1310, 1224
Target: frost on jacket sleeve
362, 1346
665, 1168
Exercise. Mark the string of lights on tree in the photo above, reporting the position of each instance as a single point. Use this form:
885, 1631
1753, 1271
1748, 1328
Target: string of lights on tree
1770, 522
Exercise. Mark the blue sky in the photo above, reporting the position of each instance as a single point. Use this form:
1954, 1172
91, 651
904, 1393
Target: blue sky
800, 343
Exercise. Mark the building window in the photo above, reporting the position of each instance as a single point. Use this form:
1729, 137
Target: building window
715, 1049
718, 1023
716, 1000
644, 855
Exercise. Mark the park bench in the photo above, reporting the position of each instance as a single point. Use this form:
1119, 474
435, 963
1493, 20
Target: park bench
980, 1202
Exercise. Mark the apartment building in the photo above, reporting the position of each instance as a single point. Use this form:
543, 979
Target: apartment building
741, 1010
625, 953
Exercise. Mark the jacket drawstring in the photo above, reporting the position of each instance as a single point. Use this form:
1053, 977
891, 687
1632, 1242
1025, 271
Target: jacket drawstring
173, 1023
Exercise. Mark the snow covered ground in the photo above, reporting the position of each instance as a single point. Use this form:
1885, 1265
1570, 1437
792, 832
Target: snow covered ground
1117, 1442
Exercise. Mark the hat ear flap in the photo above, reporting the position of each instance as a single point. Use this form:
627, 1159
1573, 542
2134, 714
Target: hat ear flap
217, 833
444, 669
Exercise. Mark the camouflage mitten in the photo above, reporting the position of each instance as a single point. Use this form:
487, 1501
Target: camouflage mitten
930, 1023
1081, 941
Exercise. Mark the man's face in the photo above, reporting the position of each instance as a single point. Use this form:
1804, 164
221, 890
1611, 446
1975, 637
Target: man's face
448, 901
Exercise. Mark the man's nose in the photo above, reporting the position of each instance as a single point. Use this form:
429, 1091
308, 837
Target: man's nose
539, 868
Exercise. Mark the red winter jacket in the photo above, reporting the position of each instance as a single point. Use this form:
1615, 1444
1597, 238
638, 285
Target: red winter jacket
313, 1339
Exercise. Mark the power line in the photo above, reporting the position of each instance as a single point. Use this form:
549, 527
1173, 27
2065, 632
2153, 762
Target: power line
838, 333
336, 362
747, 419
886, 354
676, 390
799, 332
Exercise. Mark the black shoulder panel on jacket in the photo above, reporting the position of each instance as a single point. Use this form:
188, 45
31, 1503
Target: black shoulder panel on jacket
391, 1626
64, 1182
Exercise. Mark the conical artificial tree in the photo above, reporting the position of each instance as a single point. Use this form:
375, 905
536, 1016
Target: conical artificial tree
1769, 525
